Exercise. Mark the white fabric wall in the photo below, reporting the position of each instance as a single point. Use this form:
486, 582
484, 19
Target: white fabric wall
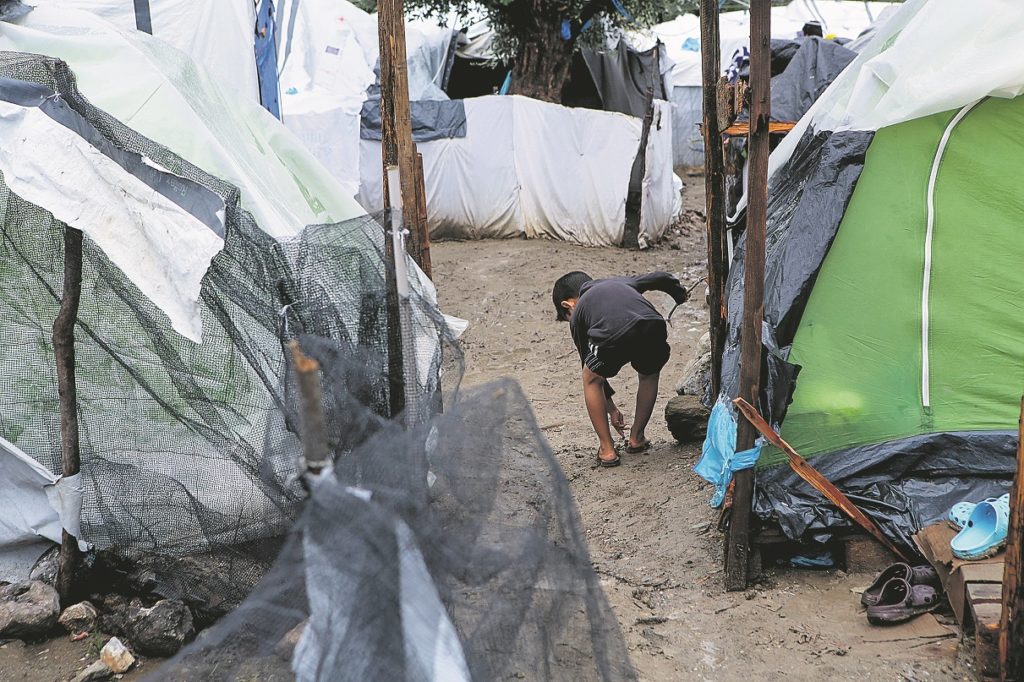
687, 116
219, 34
535, 169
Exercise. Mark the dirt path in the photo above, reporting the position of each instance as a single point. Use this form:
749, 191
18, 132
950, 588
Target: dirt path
651, 533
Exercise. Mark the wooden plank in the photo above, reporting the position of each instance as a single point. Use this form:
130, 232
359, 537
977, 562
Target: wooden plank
808, 473
1011, 639
422, 225
986, 637
985, 593
67, 395
738, 540
774, 128
714, 187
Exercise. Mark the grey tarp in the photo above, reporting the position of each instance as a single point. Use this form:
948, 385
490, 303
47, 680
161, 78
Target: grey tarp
431, 120
622, 77
812, 69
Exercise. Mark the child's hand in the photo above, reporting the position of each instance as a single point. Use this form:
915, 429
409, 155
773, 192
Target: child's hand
617, 420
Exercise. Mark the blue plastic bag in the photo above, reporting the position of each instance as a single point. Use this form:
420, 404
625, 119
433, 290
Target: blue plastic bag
719, 459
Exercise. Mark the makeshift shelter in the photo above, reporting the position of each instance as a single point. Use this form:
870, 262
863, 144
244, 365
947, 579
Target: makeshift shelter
893, 316
681, 37
211, 237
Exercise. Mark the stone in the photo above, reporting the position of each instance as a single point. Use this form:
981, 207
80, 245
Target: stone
28, 609
697, 372
687, 418
114, 611
80, 617
285, 647
160, 630
97, 671
45, 568
115, 655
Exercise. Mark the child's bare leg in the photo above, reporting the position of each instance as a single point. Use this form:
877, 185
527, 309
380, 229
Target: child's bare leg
593, 395
646, 396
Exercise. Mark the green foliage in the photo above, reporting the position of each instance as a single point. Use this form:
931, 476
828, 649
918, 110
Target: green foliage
514, 20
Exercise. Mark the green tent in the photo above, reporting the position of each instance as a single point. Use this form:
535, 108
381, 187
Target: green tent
894, 286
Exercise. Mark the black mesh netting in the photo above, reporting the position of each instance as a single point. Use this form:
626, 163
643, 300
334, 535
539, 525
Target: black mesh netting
440, 546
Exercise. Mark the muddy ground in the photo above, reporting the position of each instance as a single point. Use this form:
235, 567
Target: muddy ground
652, 536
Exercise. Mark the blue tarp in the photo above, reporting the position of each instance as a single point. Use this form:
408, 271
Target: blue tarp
719, 458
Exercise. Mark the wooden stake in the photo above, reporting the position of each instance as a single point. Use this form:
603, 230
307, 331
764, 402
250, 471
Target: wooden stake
738, 542
64, 353
397, 146
1011, 623
314, 430
422, 226
808, 473
714, 187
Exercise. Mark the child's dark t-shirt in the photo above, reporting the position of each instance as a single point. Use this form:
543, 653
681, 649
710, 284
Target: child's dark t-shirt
608, 308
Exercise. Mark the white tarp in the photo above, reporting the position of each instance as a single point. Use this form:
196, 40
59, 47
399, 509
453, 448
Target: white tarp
219, 34
161, 247
37, 507
681, 36
161, 93
930, 56
535, 169
326, 61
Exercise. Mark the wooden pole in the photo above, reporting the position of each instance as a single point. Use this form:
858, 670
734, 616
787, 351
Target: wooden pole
1011, 623
64, 353
314, 431
397, 145
421, 220
714, 187
738, 541
396, 347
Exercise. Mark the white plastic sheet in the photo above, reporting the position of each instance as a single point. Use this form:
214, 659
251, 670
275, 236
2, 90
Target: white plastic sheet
218, 34
162, 248
535, 169
38, 506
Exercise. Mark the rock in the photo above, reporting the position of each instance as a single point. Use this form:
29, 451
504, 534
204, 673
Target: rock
80, 617
45, 569
27, 609
285, 647
116, 657
161, 629
687, 418
114, 611
697, 372
97, 671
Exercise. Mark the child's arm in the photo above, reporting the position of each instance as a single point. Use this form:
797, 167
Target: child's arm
662, 281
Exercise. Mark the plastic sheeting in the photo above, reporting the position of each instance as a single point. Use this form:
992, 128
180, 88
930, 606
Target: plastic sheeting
38, 507
431, 120
215, 33
534, 169
812, 68
930, 56
327, 59
151, 239
164, 95
719, 459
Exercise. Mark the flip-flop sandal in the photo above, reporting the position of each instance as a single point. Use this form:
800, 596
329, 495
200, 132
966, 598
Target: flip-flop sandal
916, 575
985, 532
900, 601
609, 462
644, 447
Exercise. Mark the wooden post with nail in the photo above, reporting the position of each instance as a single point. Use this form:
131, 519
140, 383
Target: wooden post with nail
1011, 622
738, 540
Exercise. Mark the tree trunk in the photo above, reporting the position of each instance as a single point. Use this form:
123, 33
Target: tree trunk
542, 62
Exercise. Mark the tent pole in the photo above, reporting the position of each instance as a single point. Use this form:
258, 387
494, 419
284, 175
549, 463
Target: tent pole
714, 187
64, 353
1011, 622
397, 146
738, 541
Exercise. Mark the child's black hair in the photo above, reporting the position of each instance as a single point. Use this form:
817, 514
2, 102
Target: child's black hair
567, 286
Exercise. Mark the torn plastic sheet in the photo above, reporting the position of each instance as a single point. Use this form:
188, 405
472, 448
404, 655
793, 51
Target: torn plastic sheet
719, 459
902, 485
162, 248
38, 506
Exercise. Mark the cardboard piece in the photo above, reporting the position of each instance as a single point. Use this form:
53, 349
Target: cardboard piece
933, 543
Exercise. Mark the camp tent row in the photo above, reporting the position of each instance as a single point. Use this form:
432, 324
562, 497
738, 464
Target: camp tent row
320, 81
681, 37
894, 292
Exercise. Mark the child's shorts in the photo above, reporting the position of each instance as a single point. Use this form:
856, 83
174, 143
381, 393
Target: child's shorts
645, 347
